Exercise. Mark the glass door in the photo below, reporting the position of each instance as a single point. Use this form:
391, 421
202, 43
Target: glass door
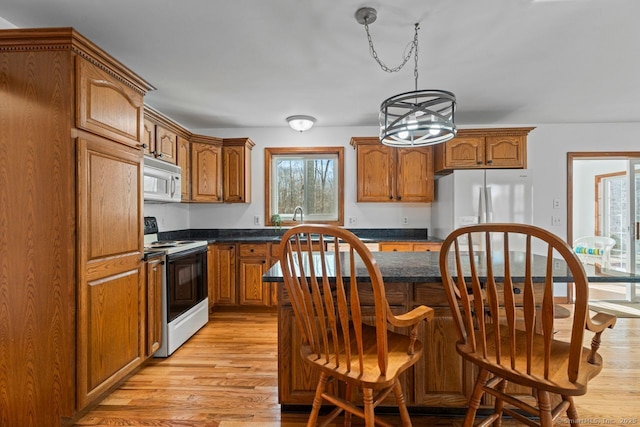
633, 256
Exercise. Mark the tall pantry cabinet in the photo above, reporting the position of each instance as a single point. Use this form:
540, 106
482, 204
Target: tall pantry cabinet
71, 278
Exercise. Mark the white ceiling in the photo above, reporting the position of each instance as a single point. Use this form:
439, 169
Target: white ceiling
252, 63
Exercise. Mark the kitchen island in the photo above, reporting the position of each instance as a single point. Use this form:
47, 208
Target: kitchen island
440, 382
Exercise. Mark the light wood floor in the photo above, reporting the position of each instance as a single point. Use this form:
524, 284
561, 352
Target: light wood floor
226, 376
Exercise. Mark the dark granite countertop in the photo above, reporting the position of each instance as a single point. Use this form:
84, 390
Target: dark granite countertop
269, 235
423, 267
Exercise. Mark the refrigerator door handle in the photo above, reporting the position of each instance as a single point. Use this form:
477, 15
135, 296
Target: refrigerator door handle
489, 204
482, 208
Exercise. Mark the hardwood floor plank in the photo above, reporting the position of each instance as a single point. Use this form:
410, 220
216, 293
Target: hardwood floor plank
226, 376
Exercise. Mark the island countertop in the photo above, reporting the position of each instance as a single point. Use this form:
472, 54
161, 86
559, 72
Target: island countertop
424, 267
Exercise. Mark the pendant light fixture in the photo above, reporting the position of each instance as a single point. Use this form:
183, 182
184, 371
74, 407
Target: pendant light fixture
416, 118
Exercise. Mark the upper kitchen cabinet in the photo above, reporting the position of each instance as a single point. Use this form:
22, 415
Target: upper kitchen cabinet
108, 106
387, 174
184, 161
71, 235
206, 169
499, 148
161, 136
236, 164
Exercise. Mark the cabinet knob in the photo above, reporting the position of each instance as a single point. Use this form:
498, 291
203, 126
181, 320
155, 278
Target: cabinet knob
143, 146
395, 250
489, 161
479, 162
251, 250
399, 197
390, 197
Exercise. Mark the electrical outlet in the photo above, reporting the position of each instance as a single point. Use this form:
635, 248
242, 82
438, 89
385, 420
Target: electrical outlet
405, 220
556, 203
256, 220
353, 220
556, 220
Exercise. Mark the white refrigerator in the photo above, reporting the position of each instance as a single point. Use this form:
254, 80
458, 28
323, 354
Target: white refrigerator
467, 197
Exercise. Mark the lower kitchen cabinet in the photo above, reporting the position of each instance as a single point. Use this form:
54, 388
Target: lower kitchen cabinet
154, 270
409, 246
223, 278
236, 274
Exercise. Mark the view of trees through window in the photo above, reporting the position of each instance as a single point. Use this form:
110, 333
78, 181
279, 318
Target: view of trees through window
307, 182
309, 177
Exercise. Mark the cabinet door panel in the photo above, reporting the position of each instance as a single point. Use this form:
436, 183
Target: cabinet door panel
376, 173
506, 151
184, 161
252, 290
415, 174
166, 145
442, 378
233, 174
113, 340
148, 137
206, 171
107, 106
114, 204
224, 283
464, 152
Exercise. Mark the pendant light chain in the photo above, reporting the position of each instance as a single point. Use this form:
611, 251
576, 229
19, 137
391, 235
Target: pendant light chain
414, 46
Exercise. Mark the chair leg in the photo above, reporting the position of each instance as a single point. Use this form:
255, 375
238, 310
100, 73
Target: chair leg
369, 416
572, 412
474, 399
499, 405
348, 397
544, 404
402, 404
317, 400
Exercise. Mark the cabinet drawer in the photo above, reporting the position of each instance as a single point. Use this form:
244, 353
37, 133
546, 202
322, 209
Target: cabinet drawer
422, 247
253, 250
396, 293
108, 107
396, 247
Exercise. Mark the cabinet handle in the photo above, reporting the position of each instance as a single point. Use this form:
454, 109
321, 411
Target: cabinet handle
479, 162
390, 197
489, 161
143, 146
160, 155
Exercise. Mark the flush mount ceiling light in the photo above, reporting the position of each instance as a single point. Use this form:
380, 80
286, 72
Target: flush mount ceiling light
301, 123
416, 118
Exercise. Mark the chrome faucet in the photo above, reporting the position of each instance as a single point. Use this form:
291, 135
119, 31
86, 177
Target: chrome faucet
295, 213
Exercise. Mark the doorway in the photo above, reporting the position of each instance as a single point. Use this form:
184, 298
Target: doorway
604, 200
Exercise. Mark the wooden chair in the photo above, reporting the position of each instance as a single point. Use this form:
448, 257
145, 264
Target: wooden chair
346, 337
505, 321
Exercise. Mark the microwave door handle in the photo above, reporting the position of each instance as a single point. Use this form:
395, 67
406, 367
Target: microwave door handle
173, 186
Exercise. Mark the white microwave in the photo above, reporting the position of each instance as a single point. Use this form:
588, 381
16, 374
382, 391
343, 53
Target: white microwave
162, 181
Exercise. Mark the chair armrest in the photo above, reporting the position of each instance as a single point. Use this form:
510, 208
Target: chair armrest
412, 317
600, 322
597, 324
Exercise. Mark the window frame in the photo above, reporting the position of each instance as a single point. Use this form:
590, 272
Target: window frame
269, 152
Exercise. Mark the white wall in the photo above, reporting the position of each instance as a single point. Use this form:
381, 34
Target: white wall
547, 149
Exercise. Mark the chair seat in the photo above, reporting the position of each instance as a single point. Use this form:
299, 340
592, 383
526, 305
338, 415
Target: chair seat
557, 381
399, 360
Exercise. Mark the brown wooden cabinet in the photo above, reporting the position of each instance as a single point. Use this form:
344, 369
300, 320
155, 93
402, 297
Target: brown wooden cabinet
409, 246
236, 164
504, 148
223, 281
206, 169
107, 105
387, 174
253, 264
71, 235
154, 270
160, 136
111, 279
184, 161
